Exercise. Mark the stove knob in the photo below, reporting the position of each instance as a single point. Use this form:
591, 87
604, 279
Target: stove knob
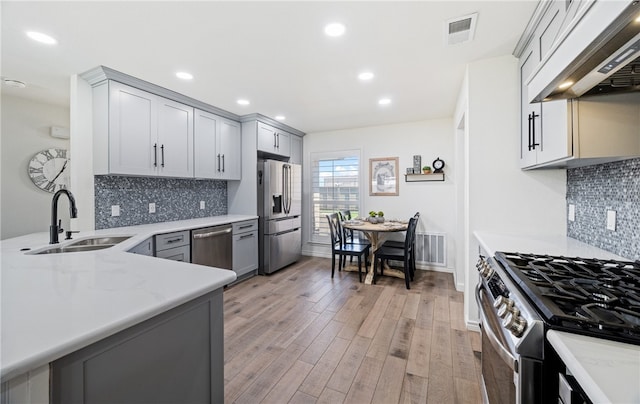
502, 300
515, 324
506, 309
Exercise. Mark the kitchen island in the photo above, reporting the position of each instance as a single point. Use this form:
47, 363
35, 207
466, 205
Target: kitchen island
607, 371
56, 304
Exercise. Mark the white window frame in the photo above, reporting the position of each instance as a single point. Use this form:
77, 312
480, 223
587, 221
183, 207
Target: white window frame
330, 155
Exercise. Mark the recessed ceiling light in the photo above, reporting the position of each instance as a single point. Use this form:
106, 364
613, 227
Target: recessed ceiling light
334, 29
184, 76
638, 18
365, 76
15, 83
243, 102
280, 117
566, 84
384, 101
42, 38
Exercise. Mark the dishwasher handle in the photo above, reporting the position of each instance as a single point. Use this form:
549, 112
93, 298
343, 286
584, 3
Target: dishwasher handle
211, 233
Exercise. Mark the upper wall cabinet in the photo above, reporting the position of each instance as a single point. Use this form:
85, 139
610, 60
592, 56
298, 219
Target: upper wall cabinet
139, 133
273, 140
296, 150
217, 144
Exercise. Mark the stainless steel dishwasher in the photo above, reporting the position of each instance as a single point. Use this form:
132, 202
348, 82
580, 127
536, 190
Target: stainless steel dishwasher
212, 246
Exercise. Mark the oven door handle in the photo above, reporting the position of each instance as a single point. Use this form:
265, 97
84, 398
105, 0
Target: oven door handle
504, 354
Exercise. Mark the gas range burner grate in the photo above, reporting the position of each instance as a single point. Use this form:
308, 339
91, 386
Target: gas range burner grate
589, 296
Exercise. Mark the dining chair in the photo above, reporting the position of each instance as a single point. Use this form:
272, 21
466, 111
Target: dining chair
341, 249
400, 244
406, 255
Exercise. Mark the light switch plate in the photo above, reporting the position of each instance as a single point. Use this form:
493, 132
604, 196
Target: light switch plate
572, 212
152, 207
611, 220
115, 210
202, 204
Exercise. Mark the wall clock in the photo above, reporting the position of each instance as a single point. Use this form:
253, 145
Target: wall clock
49, 169
438, 164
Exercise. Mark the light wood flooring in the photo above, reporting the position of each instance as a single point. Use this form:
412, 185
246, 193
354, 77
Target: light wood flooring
299, 336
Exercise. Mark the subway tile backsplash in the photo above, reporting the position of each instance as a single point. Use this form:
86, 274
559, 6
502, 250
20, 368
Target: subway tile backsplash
594, 190
175, 199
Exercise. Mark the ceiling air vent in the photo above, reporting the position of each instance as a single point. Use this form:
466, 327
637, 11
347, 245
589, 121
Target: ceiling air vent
460, 29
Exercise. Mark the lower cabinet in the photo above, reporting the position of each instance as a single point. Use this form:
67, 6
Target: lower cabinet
245, 247
175, 357
174, 246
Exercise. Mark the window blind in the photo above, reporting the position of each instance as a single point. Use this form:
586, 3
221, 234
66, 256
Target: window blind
335, 186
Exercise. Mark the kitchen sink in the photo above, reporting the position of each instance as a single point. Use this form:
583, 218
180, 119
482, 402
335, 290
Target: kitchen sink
88, 244
100, 241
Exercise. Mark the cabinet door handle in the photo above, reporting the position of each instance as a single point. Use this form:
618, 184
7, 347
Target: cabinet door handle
174, 240
155, 155
246, 236
162, 155
529, 140
245, 226
218, 162
223, 163
274, 140
533, 131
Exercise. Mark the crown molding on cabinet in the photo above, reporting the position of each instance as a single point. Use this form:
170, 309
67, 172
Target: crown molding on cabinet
102, 73
270, 121
531, 27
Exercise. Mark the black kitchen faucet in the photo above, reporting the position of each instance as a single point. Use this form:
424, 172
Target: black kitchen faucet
54, 229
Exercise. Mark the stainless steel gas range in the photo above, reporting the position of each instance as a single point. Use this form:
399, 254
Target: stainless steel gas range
521, 296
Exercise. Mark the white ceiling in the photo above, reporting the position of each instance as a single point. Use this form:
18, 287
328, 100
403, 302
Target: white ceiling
273, 53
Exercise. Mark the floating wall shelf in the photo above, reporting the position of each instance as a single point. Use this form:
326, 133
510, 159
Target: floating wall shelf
424, 177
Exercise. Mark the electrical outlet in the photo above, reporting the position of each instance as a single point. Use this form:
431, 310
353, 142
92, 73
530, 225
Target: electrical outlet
152, 207
202, 204
572, 212
611, 220
115, 210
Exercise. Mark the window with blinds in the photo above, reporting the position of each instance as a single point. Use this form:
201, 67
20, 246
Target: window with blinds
335, 186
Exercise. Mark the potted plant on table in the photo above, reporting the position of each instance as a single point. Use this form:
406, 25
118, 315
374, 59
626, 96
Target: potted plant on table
372, 217
426, 170
380, 217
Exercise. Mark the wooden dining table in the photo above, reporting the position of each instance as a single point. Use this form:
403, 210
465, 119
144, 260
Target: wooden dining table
376, 233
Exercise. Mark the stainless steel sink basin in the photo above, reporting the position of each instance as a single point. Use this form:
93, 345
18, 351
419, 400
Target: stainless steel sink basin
99, 241
88, 244
74, 248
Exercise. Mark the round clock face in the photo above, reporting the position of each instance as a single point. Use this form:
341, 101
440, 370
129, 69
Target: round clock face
49, 169
438, 164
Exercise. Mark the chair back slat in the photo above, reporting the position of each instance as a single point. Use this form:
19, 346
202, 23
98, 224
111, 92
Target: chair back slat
335, 230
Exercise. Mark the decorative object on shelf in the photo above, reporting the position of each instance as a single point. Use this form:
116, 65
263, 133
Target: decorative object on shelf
438, 165
49, 170
410, 170
417, 163
426, 170
383, 176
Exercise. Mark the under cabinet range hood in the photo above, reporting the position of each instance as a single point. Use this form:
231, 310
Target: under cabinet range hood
596, 57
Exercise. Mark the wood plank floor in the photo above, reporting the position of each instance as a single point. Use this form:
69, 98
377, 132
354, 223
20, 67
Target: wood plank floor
299, 336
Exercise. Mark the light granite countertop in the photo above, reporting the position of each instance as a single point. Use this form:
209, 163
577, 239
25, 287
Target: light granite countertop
608, 371
55, 304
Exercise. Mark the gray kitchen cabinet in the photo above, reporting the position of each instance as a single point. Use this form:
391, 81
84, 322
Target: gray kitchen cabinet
174, 357
570, 132
217, 145
245, 248
174, 246
296, 150
144, 248
273, 140
139, 133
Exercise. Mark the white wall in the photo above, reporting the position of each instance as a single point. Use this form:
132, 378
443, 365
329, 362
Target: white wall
434, 200
502, 197
25, 131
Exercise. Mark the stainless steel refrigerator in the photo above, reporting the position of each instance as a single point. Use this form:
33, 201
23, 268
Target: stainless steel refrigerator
279, 211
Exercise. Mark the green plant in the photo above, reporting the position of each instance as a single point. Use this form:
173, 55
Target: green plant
380, 214
426, 168
372, 213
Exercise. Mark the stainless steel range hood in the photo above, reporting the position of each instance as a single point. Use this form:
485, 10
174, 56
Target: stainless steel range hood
595, 58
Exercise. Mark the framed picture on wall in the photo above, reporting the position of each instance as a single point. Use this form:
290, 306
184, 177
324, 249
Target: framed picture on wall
383, 176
